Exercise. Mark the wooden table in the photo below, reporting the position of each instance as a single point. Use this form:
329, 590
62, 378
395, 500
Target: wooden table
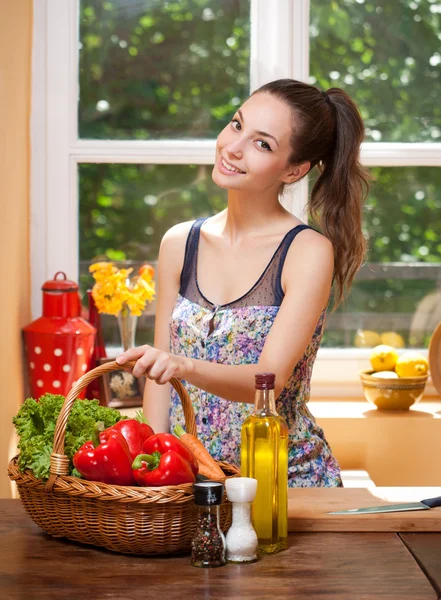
309, 510
326, 566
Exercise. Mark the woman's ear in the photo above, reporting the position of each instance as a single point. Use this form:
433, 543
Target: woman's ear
296, 172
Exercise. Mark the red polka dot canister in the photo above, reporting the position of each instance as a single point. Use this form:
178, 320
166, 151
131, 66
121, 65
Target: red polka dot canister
59, 345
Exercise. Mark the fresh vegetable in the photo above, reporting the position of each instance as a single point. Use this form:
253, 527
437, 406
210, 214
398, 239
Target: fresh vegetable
207, 465
168, 468
135, 432
35, 426
105, 458
163, 442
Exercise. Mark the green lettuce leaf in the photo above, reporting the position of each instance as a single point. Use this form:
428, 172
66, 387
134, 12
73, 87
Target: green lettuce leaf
35, 426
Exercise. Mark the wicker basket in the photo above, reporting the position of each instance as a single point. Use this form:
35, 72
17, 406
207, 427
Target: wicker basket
135, 520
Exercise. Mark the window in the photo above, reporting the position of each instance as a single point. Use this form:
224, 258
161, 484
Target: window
128, 97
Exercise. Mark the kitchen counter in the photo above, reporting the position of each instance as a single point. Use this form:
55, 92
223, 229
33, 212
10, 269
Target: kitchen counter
326, 566
308, 509
387, 444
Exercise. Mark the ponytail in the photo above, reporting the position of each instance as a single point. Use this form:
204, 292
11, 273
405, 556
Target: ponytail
338, 195
327, 132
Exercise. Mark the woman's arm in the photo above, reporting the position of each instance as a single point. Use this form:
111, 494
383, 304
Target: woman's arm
307, 279
171, 258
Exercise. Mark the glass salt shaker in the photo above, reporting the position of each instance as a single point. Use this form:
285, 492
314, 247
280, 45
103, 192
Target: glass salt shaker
208, 545
241, 537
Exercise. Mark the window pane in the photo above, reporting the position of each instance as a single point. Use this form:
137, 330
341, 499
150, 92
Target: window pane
387, 56
161, 70
399, 289
126, 209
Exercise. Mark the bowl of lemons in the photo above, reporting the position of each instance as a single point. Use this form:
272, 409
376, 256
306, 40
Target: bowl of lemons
395, 382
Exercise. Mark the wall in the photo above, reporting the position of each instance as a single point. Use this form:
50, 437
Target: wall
15, 94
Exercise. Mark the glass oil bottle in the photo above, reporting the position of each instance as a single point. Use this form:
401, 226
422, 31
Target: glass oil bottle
264, 456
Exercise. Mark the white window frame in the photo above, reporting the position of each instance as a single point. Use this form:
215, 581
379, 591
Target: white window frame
279, 48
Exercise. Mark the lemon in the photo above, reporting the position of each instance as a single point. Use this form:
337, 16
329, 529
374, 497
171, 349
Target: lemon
383, 358
411, 364
391, 338
385, 375
366, 339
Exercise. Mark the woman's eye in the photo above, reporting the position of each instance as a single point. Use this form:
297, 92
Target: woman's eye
264, 146
235, 123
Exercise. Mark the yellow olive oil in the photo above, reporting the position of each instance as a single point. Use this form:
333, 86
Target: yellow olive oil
264, 456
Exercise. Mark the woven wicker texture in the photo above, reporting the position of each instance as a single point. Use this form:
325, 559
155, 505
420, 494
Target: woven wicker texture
133, 520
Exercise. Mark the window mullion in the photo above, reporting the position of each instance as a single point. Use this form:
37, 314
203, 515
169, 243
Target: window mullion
39, 173
62, 220
387, 154
296, 199
270, 41
54, 246
170, 152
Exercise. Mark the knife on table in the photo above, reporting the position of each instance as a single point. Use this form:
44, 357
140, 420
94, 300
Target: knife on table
423, 505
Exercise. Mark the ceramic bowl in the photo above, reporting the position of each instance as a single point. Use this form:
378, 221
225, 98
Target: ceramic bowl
392, 394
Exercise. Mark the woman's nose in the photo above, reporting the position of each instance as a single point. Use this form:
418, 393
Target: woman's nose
235, 149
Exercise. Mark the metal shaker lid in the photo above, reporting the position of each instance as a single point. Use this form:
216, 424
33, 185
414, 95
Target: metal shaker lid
208, 493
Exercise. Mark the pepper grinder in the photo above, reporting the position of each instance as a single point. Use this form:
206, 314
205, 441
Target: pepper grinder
208, 544
241, 537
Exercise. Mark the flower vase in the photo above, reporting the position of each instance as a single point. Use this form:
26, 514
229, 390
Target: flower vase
127, 328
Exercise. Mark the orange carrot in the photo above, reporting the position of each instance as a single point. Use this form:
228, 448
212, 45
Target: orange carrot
207, 465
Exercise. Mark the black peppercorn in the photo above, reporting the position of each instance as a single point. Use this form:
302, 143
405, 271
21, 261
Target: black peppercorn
208, 544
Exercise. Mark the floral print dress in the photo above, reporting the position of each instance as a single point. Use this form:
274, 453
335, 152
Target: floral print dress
234, 334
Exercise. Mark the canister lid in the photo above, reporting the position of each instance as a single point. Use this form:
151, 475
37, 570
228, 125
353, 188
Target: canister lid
208, 493
60, 285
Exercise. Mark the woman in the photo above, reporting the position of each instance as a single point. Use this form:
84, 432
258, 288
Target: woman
247, 290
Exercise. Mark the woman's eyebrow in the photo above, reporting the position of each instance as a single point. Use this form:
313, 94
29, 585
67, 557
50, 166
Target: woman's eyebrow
259, 132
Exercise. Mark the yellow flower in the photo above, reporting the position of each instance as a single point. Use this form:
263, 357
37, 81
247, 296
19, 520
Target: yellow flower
114, 288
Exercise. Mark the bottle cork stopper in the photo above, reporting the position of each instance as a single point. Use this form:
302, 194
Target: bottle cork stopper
265, 381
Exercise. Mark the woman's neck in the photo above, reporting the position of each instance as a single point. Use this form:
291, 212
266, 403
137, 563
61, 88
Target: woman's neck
248, 214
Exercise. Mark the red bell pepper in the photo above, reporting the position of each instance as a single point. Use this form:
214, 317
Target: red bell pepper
164, 442
105, 458
168, 468
135, 432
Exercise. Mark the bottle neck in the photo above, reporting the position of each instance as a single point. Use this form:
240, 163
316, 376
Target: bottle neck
265, 402
241, 513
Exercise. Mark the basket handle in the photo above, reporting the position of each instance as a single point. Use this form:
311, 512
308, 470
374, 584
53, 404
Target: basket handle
59, 461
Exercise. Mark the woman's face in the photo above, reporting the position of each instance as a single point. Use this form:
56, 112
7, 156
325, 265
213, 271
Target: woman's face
252, 151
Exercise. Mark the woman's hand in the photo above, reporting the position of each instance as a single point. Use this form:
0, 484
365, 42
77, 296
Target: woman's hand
155, 364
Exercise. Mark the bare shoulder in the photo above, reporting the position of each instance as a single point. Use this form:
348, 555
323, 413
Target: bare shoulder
177, 235
314, 244
174, 241
172, 249
311, 252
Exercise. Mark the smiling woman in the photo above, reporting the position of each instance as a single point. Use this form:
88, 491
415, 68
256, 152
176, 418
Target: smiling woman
247, 290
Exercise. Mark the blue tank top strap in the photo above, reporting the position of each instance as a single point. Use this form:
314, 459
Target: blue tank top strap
284, 247
188, 273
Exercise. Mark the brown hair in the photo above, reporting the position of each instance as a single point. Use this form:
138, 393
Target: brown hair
327, 132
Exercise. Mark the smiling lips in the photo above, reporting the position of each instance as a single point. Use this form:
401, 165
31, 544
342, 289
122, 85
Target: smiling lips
228, 169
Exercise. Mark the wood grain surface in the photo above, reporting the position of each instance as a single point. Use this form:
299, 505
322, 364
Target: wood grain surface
426, 549
325, 566
308, 511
